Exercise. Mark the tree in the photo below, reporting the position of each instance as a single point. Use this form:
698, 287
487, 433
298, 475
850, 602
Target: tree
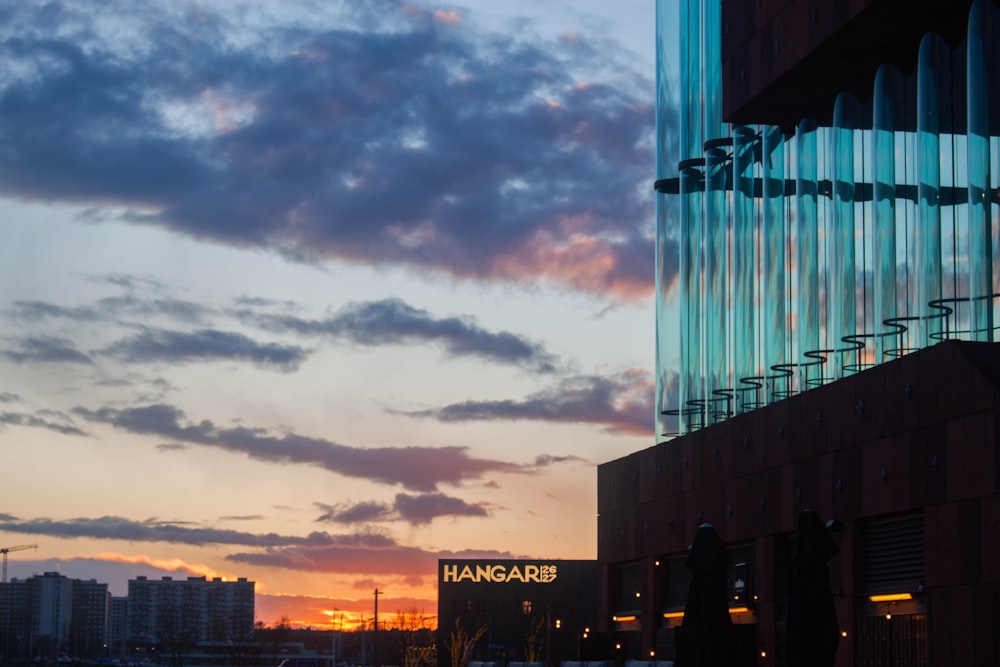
416, 641
535, 640
461, 643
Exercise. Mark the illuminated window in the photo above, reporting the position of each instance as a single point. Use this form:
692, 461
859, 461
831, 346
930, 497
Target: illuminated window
526, 607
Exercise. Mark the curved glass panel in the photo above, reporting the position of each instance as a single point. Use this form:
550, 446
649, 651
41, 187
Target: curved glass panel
774, 240
691, 388
716, 279
691, 137
711, 33
666, 229
887, 107
745, 143
931, 67
842, 295
807, 248
978, 167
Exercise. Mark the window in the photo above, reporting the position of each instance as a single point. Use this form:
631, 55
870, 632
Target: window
526, 607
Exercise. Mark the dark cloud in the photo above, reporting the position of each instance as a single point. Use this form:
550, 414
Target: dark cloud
372, 323
622, 404
154, 530
112, 308
393, 322
364, 552
416, 468
152, 346
60, 423
389, 558
422, 509
47, 350
363, 512
8, 397
43, 310
415, 510
391, 138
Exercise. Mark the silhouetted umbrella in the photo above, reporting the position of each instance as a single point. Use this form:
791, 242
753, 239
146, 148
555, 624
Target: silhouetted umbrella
811, 623
705, 638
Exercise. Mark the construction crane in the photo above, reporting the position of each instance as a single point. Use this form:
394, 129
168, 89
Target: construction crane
6, 550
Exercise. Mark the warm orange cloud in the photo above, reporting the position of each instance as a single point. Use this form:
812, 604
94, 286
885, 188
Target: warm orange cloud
585, 262
447, 16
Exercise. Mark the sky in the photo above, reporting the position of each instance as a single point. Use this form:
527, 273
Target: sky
316, 293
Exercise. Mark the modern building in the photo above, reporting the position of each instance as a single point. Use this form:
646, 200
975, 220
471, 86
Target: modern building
527, 610
828, 222
178, 615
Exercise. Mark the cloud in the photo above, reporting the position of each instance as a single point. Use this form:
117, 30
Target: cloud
152, 346
346, 558
111, 308
375, 136
416, 468
371, 323
415, 510
623, 404
363, 512
365, 552
47, 350
418, 510
393, 322
9, 397
152, 530
61, 424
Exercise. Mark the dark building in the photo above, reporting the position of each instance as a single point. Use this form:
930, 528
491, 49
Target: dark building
544, 606
52, 616
180, 614
828, 221
89, 631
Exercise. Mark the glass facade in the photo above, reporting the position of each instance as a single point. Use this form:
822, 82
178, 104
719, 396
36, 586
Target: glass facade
813, 252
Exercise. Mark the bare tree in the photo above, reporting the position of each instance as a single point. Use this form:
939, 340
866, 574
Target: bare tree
416, 641
535, 640
461, 643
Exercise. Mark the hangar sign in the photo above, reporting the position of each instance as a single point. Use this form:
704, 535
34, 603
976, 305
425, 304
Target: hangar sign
499, 574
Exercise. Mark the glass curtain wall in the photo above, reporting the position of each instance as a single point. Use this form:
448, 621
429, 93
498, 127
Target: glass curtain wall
815, 252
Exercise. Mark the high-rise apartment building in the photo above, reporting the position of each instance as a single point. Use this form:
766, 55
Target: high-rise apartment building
117, 626
52, 616
190, 611
828, 220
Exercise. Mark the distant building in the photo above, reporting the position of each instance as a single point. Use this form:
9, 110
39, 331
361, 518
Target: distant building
52, 611
179, 614
550, 604
51, 615
117, 626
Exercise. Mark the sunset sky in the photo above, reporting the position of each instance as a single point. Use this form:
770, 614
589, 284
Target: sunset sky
316, 293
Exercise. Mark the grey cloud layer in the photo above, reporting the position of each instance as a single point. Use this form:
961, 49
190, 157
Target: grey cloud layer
416, 468
365, 552
392, 321
46, 350
57, 422
419, 143
623, 404
206, 344
415, 510
368, 323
